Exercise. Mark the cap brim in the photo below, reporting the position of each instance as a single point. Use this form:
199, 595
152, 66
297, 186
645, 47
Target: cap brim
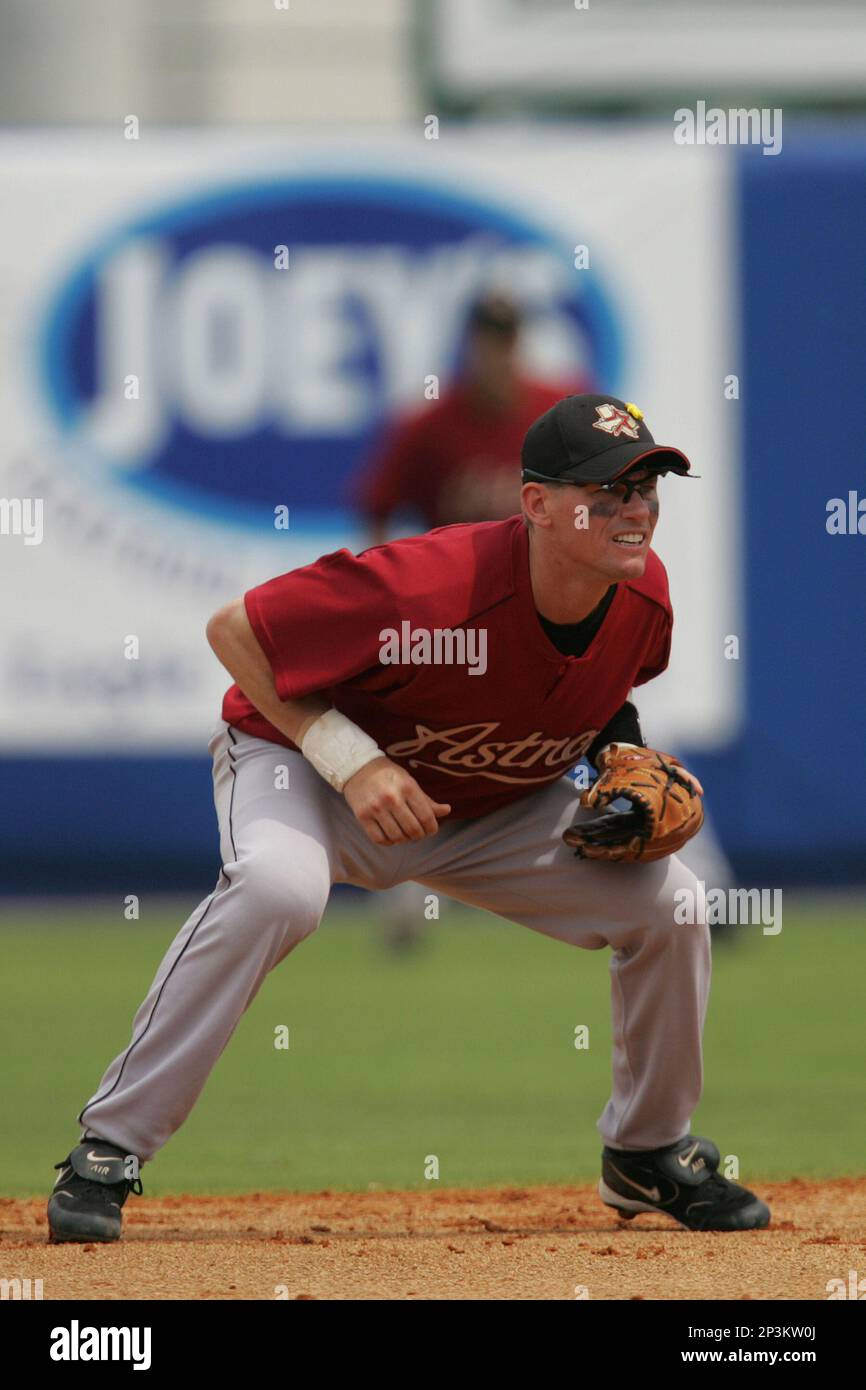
611, 463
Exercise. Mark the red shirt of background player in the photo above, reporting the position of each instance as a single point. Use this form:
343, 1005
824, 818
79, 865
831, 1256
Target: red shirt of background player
477, 741
455, 460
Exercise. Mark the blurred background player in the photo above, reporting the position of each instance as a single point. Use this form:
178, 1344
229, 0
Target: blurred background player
457, 458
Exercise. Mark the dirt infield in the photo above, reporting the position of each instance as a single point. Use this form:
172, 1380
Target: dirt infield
506, 1243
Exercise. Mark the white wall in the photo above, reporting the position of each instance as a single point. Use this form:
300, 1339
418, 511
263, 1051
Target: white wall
221, 61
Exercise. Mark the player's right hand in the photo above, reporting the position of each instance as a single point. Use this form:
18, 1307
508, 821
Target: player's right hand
387, 801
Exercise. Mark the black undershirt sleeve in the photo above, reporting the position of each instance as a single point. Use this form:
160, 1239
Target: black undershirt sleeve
624, 727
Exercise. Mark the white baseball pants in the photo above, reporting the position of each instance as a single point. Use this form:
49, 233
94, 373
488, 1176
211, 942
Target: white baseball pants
283, 848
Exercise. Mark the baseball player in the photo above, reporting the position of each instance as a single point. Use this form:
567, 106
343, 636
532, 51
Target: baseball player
429, 697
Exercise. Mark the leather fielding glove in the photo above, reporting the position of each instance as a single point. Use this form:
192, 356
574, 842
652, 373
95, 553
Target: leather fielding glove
665, 808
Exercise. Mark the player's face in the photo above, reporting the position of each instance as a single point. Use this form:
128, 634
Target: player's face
609, 534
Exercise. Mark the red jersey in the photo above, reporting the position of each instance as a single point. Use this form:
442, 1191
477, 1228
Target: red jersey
455, 460
478, 739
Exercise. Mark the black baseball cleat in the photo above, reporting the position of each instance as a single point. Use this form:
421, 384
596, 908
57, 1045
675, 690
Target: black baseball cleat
90, 1191
681, 1181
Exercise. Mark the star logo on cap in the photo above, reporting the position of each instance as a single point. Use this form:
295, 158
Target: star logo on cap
616, 422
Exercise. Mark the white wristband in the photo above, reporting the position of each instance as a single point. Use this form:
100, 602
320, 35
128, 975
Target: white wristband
337, 748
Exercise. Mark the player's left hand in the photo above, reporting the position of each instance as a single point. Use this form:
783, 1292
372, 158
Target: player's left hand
664, 809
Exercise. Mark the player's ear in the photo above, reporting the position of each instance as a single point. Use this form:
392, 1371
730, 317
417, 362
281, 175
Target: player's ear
534, 499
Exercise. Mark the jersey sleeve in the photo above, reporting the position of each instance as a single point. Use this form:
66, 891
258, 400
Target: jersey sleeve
319, 626
658, 651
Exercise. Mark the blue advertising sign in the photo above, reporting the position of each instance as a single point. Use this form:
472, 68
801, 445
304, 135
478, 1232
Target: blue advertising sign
234, 350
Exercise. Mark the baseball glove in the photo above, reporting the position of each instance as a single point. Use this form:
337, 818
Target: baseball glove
664, 807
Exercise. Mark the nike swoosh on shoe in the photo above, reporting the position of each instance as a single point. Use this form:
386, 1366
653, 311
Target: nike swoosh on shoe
685, 1159
71, 1196
651, 1193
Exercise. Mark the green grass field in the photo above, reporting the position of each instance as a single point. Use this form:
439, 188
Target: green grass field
463, 1049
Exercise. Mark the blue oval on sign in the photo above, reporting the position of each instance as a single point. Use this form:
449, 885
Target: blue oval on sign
237, 352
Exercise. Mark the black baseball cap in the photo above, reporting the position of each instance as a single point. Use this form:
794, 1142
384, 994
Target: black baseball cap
594, 439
